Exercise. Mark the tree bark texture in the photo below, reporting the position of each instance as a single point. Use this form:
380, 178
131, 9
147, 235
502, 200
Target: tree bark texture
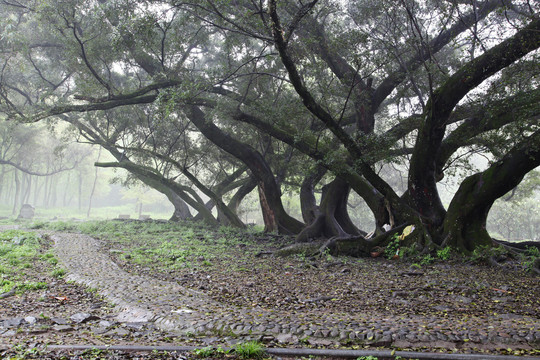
465, 223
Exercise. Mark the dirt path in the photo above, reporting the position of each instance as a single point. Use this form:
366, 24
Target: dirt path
183, 311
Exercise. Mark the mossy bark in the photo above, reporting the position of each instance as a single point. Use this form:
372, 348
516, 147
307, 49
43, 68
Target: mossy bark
465, 223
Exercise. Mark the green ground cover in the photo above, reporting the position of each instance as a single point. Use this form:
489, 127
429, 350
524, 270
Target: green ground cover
22, 250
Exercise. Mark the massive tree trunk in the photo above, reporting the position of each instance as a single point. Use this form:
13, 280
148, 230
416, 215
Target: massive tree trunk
276, 218
465, 223
333, 219
308, 203
423, 174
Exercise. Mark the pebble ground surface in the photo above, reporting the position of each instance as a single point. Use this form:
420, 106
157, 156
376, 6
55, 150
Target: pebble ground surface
144, 302
186, 312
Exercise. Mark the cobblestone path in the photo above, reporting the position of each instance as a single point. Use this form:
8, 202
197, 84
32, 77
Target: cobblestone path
183, 311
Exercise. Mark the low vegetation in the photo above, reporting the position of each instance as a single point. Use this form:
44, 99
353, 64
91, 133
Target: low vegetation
20, 251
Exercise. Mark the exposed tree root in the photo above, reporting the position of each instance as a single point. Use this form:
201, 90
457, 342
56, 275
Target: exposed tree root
493, 262
308, 249
7, 294
518, 246
358, 246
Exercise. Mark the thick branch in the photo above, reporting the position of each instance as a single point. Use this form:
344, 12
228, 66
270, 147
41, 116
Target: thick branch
495, 116
476, 71
107, 105
423, 169
324, 116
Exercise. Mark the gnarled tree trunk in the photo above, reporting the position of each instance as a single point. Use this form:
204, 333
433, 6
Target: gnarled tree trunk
275, 216
333, 219
465, 222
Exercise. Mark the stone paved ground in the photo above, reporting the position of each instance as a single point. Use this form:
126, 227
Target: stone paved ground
186, 312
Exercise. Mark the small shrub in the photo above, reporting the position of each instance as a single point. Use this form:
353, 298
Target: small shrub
392, 248
4, 270
209, 351
408, 251
63, 226
94, 354
4, 249
301, 256
532, 251
445, 253
32, 285
24, 352
14, 261
38, 225
48, 255
204, 352
6, 285
22, 237
427, 259
482, 254
327, 255
529, 258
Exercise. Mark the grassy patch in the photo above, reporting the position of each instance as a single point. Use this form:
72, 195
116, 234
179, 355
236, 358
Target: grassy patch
19, 250
173, 245
58, 273
249, 350
210, 352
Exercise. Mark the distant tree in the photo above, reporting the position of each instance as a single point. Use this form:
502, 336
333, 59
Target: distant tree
30, 155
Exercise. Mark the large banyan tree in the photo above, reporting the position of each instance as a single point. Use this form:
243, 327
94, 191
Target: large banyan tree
293, 92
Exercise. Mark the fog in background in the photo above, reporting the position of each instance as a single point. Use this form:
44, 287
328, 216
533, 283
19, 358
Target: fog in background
58, 178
